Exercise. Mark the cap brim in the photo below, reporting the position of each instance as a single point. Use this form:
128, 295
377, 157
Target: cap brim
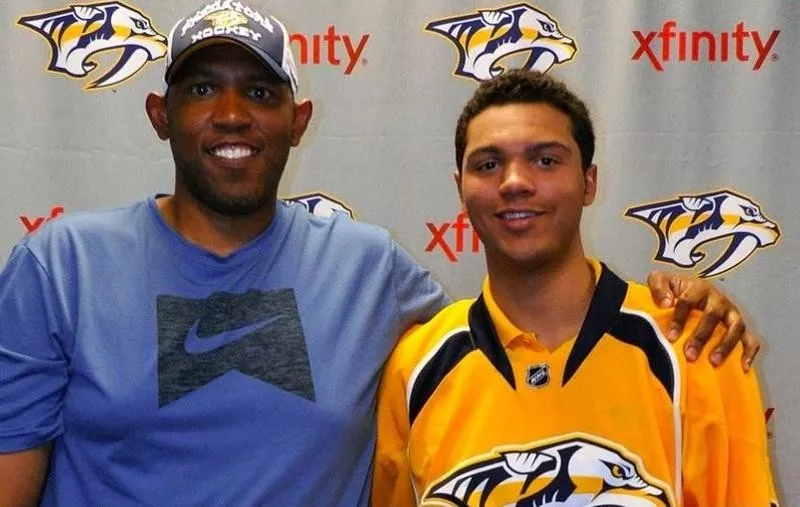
221, 39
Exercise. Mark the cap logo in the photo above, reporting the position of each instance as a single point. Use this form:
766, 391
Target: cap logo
226, 23
226, 5
227, 19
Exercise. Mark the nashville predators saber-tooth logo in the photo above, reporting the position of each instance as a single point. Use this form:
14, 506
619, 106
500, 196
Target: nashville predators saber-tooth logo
569, 471
320, 204
687, 222
485, 38
80, 31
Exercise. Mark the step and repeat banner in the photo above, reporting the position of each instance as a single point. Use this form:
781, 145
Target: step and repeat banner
695, 104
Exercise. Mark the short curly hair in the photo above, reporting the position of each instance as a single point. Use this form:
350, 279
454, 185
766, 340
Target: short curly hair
528, 87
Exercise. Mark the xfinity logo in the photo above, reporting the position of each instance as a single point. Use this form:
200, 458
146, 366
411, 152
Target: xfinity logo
450, 238
670, 45
32, 224
334, 48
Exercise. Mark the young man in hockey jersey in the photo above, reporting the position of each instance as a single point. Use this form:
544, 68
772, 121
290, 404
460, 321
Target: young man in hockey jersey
556, 386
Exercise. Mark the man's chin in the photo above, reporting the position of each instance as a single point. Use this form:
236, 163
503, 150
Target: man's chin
525, 259
235, 207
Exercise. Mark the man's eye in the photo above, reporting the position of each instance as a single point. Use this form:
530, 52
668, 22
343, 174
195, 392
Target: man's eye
547, 161
200, 89
261, 93
488, 165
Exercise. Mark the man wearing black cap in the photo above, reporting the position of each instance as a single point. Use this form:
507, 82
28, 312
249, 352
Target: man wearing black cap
215, 346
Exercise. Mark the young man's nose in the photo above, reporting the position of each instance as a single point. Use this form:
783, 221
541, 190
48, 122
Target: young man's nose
518, 177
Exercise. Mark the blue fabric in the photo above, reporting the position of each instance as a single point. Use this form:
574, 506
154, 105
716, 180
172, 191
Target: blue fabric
167, 375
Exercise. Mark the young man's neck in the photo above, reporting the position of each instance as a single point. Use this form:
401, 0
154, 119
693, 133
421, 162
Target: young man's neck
549, 300
219, 234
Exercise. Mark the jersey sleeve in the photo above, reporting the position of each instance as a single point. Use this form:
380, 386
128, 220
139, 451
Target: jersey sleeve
725, 449
419, 296
33, 366
391, 485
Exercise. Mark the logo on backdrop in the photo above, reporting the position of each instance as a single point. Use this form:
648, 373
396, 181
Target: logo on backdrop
688, 222
79, 32
321, 205
452, 238
32, 224
334, 48
486, 37
739, 45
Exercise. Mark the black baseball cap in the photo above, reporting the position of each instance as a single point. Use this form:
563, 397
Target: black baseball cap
231, 21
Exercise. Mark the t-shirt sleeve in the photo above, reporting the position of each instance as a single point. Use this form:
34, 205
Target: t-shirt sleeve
419, 296
726, 458
391, 485
33, 365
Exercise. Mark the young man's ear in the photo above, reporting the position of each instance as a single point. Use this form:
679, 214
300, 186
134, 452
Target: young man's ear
590, 185
457, 179
302, 116
156, 107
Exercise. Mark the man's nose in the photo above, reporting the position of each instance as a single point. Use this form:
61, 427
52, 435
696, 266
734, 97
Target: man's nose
518, 177
231, 111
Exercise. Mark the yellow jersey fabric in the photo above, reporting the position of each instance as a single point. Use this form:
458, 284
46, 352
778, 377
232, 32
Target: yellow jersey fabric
473, 411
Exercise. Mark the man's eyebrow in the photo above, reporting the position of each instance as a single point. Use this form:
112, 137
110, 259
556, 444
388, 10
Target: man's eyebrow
492, 149
547, 145
206, 71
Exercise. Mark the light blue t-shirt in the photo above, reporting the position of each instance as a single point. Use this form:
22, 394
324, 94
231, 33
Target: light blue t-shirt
167, 375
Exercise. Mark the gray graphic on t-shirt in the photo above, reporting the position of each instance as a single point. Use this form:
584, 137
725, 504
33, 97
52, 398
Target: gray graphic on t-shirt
256, 333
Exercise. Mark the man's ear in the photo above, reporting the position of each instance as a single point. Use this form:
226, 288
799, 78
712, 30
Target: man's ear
590, 184
457, 179
302, 116
156, 107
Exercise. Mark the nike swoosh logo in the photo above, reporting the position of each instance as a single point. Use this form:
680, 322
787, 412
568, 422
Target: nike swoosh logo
194, 344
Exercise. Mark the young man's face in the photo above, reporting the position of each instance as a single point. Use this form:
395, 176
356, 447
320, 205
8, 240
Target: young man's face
230, 123
523, 185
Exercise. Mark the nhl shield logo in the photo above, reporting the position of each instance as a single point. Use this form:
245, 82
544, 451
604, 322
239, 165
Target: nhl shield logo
538, 375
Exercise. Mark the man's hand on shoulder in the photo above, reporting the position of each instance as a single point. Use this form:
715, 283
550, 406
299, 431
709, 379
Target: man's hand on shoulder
691, 293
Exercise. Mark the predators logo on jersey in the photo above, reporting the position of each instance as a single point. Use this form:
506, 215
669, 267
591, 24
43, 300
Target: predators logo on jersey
572, 470
79, 32
687, 222
484, 38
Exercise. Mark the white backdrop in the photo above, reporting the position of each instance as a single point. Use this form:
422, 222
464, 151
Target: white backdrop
695, 104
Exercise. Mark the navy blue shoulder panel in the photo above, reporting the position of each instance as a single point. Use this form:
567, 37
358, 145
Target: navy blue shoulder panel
432, 374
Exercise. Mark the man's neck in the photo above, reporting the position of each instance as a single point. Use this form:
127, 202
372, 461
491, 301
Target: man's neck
219, 234
550, 300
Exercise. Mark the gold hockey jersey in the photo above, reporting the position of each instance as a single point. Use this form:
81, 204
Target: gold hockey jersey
474, 412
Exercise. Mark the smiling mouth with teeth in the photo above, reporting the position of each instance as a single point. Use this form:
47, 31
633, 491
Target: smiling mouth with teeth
232, 152
515, 215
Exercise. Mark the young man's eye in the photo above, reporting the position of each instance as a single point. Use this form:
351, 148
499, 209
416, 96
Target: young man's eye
547, 161
486, 165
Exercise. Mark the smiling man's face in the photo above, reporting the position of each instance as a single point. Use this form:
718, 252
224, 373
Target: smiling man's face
231, 123
523, 184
